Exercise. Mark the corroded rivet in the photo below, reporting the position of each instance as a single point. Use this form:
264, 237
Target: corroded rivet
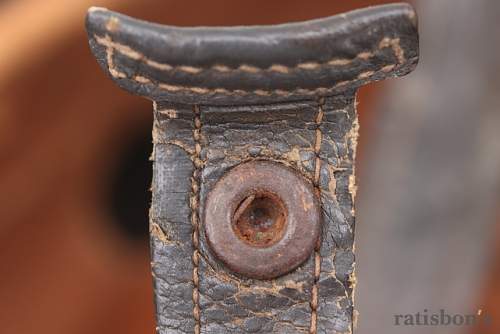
262, 219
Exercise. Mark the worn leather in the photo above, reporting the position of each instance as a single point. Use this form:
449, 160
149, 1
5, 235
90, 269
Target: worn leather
255, 64
224, 96
285, 133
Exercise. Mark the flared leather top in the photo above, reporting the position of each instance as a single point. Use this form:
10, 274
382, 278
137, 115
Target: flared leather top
242, 65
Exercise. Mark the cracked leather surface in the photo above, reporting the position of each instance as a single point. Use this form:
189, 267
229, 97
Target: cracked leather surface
170, 227
338, 190
261, 64
224, 96
283, 133
231, 135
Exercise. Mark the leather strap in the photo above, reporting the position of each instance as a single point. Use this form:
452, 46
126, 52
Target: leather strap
224, 96
245, 65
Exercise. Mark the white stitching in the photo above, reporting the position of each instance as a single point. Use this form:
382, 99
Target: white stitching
132, 54
195, 219
317, 256
125, 50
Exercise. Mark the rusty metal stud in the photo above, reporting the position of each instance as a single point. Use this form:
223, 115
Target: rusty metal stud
262, 219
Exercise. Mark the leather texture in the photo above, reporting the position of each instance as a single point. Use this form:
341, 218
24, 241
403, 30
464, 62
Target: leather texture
255, 64
223, 96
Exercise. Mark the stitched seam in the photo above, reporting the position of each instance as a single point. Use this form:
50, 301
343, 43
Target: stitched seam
195, 218
127, 51
317, 256
259, 92
399, 53
111, 64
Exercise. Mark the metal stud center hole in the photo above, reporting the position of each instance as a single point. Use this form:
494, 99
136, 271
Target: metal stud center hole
260, 219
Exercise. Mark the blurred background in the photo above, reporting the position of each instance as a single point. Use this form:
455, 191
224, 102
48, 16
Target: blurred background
75, 175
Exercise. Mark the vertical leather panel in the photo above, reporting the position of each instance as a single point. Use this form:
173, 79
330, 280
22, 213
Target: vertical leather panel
339, 130
170, 224
231, 135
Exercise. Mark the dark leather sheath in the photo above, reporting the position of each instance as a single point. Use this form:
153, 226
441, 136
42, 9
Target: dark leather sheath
224, 96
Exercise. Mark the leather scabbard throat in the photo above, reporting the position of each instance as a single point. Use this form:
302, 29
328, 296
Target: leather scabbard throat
234, 102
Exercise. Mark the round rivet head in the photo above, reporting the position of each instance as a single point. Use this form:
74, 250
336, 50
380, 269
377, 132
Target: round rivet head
262, 219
